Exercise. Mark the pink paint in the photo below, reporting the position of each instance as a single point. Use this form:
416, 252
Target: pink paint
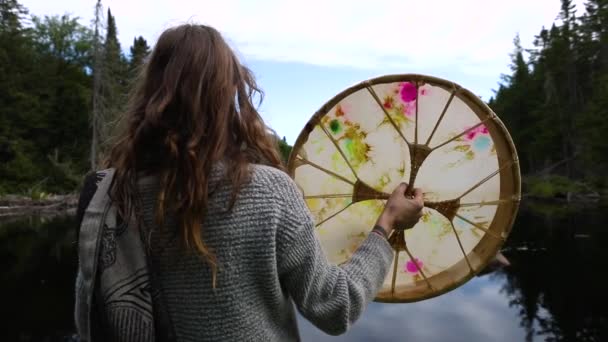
481, 129
408, 92
413, 267
409, 109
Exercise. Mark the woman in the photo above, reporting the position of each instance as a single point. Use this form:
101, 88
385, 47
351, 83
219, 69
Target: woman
230, 241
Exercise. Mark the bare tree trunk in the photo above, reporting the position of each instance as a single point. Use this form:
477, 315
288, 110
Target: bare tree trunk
97, 98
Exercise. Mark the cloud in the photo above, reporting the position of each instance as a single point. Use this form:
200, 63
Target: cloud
472, 35
329, 45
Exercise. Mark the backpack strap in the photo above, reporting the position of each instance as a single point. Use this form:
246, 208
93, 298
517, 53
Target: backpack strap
99, 221
88, 249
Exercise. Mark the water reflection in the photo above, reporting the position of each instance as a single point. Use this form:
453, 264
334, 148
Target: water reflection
476, 312
559, 283
37, 280
554, 290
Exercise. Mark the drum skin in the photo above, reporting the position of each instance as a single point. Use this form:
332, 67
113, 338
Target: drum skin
432, 134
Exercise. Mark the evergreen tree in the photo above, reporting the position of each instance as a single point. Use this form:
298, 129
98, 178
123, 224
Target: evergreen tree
11, 15
284, 150
98, 105
513, 101
115, 79
562, 92
55, 73
139, 51
596, 22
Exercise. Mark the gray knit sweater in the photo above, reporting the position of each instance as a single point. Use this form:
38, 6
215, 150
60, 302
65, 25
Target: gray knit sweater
269, 260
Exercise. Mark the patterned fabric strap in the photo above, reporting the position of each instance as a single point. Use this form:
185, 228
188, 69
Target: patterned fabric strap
123, 280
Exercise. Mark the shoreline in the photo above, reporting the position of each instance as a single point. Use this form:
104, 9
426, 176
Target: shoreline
13, 206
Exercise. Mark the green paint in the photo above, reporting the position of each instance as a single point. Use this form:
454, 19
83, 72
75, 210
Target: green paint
401, 170
348, 145
352, 143
462, 148
356, 150
335, 126
384, 180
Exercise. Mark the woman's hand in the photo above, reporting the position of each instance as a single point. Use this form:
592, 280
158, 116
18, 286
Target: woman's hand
401, 211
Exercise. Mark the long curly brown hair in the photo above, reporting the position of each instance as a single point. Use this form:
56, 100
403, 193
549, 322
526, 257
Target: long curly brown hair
192, 106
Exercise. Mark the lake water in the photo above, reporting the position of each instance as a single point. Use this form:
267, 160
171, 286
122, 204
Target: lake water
555, 290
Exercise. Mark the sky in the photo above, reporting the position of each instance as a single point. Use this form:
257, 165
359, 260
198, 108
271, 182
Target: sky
305, 52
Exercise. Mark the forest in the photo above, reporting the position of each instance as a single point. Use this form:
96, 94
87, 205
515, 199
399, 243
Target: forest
64, 83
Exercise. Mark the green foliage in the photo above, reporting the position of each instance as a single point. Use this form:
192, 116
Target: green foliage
46, 74
11, 15
554, 100
284, 150
44, 105
36, 193
139, 51
46, 66
115, 79
64, 39
552, 210
555, 104
552, 186
57, 90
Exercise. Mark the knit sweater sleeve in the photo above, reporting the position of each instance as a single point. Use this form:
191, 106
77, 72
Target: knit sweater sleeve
331, 297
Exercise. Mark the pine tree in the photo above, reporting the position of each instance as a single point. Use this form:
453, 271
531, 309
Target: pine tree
115, 79
593, 121
11, 15
563, 93
596, 21
513, 103
97, 114
284, 150
139, 51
